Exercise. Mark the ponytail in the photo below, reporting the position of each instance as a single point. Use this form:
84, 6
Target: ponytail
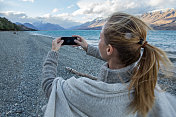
145, 77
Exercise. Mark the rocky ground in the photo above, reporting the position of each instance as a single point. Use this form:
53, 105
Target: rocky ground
21, 59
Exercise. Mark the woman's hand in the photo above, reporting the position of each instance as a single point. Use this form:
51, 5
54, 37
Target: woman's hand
56, 44
81, 42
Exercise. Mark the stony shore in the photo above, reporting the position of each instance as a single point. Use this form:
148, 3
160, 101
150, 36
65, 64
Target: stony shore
21, 59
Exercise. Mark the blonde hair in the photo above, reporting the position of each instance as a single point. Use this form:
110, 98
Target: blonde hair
127, 34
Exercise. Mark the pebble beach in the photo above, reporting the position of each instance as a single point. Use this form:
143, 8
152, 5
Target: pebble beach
21, 59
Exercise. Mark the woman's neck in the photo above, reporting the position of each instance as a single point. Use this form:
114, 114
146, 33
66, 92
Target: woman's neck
113, 63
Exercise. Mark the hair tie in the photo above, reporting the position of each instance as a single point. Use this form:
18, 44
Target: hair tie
144, 44
141, 41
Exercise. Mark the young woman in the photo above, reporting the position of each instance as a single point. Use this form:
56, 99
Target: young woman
127, 82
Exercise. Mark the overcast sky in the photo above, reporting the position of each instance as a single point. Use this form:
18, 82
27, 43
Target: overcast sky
69, 13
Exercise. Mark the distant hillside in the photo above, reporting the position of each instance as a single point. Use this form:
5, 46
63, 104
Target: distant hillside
96, 24
158, 20
161, 20
18, 23
47, 26
30, 26
6, 25
25, 28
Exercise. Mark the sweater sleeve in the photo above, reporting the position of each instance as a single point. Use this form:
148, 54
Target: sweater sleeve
49, 71
93, 51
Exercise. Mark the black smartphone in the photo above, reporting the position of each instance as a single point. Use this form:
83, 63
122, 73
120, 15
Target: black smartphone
69, 40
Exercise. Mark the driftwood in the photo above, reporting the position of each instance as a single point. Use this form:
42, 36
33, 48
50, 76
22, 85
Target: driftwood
81, 74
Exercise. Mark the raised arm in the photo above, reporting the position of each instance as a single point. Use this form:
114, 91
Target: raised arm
49, 71
91, 50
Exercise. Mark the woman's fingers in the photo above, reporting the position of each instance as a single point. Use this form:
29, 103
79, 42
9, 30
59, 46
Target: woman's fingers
58, 39
60, 42
57, 43
76, 36
78, 42
79, 38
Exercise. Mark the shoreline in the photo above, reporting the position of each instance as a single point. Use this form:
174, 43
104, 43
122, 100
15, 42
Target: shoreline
37, 34
22, 56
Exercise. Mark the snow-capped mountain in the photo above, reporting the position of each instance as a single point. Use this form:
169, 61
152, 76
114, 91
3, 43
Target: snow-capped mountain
164, 19
161, 19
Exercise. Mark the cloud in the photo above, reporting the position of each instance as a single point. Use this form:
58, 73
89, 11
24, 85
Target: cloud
106, 7
103, 8
65, 20
13, 14
55, 10
1, 0
17, 16
162, 4
46, 15
28, 0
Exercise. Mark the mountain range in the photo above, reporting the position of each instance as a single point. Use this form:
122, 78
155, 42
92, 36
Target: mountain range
96, 24
161, 20
158, 20
42, 26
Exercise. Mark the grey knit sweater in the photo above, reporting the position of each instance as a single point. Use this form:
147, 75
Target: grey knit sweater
106, 97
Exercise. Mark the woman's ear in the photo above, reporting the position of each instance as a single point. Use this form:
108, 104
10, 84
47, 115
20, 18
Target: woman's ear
109, 50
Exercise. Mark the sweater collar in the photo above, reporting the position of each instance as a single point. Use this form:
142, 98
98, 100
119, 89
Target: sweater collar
122, 75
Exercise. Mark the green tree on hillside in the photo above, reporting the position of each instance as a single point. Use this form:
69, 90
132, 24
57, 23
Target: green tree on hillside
1, 25
6, 25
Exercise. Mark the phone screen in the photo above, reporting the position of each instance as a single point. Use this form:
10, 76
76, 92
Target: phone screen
69, 40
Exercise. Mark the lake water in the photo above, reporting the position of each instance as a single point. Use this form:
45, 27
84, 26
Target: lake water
165, 40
